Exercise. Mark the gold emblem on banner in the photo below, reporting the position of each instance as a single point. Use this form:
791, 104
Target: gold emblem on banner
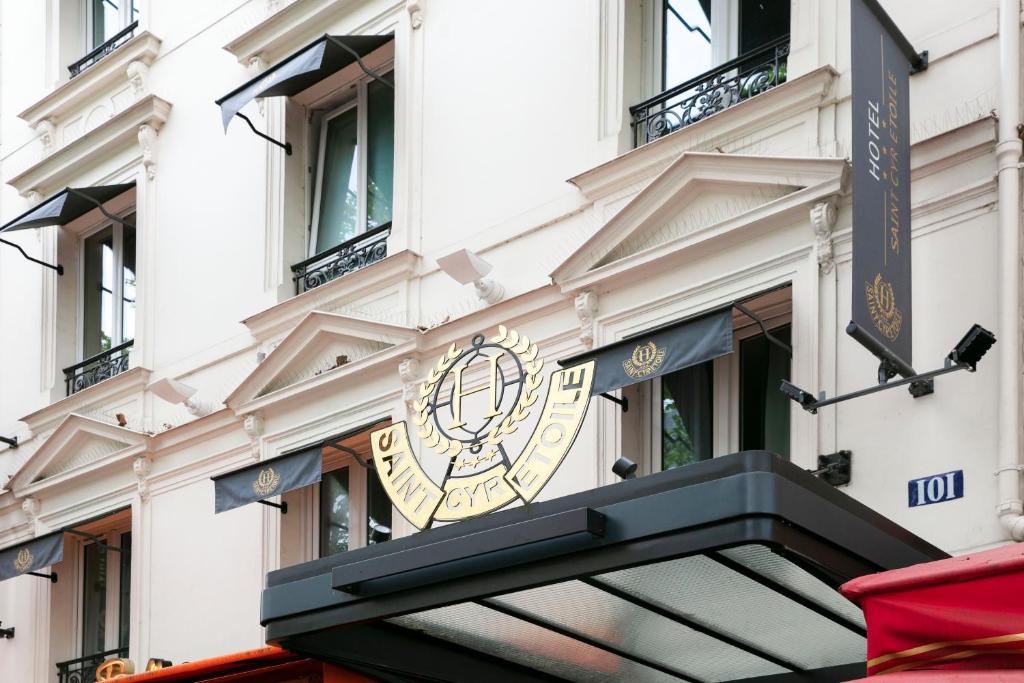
114, 668
646, 359
882, 307
266, 482
481, 475
23, 561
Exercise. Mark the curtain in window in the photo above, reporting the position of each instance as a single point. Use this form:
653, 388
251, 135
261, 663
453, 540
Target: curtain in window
764, 410
339, 187
686, 424
125, 590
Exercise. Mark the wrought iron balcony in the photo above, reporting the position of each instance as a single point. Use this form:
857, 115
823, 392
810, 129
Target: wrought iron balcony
83, 669
118, 39
98, 368
349, 256
733, 82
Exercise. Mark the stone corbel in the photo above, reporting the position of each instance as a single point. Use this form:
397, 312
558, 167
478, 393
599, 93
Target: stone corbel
409, 373
257, 65
46, 132
138, 75
415, 10
823, 220
253, 426
30, 506
586, 309
142, 466
147, 141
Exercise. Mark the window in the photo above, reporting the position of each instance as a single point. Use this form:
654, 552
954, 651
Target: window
107, 18
721, 406
108, 288
106, 590
353, 509
355, 163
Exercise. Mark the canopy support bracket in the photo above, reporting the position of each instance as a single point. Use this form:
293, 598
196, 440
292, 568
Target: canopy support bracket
59, 268
359, 60
100, 543
623, 402
51, 576
11, 441
282, 506
764, 329
99, 205
286, 146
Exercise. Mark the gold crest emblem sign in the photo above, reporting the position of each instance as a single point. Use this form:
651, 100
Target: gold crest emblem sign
479, 473
266, 482
23, 562
882, 307
645, 359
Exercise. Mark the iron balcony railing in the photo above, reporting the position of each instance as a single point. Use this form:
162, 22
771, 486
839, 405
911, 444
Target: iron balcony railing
83, 669
98, 368
349, 256
733, 82
118, 39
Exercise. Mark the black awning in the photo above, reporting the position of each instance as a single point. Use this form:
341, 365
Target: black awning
65, 206
267, 478
31, 556
659, 351
722, 570
310, 65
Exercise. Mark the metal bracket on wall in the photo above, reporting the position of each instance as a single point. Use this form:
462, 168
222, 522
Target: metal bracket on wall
7, 633
286, 146
282, 506
51, 576
59, 268
11, 441
834, 468
623, 402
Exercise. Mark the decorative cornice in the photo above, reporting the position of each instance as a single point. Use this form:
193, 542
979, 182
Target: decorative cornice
115, 389
112, 69
69, 162
823, 219
586, 309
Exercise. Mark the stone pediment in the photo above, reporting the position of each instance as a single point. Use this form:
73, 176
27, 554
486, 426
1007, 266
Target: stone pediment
78, 445
322, 345
695, 193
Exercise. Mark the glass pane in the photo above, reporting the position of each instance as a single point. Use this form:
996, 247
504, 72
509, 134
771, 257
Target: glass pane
378, 510
98, 309
761, 22
764, 410
686, 52
334, 508
686, 411
94, 599
125, 591
106, 20
380, 159
339, 189
128, 282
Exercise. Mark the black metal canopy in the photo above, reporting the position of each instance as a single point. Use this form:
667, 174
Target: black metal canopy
718, 571
62, 208
310, 65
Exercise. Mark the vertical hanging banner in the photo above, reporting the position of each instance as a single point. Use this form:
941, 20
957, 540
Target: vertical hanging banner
882, 61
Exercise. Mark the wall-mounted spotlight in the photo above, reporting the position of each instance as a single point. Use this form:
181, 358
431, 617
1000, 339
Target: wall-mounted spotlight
7, 633
378, 532
464, 266
624, 468
974, 345
173, 391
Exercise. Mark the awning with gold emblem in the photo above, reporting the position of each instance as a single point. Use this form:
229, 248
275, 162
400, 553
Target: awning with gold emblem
268, 478
659, 351
31, 556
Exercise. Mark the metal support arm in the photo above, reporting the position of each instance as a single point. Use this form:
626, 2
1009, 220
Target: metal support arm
11, 441
286, 146
99, 205
59, 268
623, 402
52, 576
283, 507
100, 543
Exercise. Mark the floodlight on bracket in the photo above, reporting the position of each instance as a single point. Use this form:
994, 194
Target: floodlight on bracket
964, 356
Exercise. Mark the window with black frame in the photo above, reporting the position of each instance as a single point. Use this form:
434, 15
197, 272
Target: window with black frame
104, 25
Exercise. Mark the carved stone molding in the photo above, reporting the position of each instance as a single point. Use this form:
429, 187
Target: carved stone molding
30, 506
409, 372
415, 9
586, 309
34, 198
257, 64
253, 426
46, 132
138, 74
147, 142
823, 219
142, 466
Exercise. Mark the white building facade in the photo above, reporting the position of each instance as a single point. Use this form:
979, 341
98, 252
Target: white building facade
298, 293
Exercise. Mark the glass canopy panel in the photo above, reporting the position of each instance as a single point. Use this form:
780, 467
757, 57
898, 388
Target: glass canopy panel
485, 630
609, 619
775, 568
728, 602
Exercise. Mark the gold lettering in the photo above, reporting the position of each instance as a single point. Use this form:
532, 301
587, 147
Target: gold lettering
405, 482
492, 388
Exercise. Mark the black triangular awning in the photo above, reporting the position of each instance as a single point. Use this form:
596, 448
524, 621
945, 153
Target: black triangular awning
65, 206
310, 65
268, 478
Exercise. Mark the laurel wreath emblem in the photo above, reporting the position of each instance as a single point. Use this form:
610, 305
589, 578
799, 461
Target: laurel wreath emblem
532, 366
23, 561
881, 301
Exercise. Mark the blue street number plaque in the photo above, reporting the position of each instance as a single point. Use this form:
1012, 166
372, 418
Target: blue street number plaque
938, 488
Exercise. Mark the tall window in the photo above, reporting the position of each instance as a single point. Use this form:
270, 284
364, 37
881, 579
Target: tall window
106, 18
353, 509
764, 410
106, 595
687, 430
354, 187
108, 293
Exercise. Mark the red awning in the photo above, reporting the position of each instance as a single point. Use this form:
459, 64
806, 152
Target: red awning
960, 614
265, 665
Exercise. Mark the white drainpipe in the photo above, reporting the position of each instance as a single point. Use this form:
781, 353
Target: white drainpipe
1008, 152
